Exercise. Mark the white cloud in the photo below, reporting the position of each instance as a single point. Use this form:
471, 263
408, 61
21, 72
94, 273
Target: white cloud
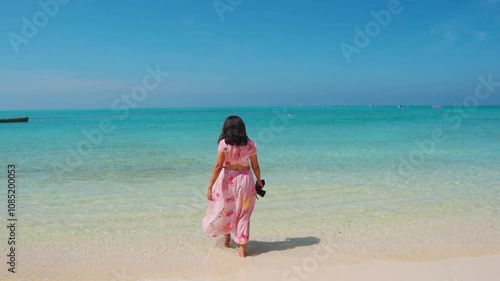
468, 25
490, 2
191, 26
481, 36
454, 33
40, 83
446, 33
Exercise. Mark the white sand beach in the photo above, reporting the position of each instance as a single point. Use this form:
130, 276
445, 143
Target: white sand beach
344, 256
318, 265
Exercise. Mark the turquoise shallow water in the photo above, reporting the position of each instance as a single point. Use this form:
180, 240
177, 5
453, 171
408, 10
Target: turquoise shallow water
325, 167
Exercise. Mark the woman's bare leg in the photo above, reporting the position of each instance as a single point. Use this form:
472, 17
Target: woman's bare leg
243, 250
227, 242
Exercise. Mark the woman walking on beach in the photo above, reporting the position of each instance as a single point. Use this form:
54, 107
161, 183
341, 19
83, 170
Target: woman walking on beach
231, 191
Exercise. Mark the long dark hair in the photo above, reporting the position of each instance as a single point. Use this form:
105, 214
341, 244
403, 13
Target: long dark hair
234, 131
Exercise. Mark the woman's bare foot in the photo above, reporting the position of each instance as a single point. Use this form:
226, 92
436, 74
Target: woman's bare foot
227, 242
243, 250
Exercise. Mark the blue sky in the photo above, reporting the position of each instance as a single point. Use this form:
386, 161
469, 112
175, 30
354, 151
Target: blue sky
262, 53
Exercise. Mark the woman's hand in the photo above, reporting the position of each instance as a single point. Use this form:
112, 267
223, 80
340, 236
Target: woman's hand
259, 182
209, 194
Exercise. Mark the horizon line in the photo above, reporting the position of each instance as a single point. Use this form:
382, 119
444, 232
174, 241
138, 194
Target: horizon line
253, 106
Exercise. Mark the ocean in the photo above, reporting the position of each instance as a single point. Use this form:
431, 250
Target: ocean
381, 182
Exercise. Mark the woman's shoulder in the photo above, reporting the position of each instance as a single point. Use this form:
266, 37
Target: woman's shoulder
222, 145
251, 143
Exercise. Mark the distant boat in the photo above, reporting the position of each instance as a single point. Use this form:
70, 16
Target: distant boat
14, 120
437, 106
401, 106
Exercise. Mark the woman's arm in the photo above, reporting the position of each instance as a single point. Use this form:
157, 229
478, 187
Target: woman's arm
255, 167
219, 162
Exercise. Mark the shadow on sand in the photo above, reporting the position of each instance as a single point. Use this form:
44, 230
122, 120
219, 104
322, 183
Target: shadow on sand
256, 248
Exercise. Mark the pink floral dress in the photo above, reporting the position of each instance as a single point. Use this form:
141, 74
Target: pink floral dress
233, 196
